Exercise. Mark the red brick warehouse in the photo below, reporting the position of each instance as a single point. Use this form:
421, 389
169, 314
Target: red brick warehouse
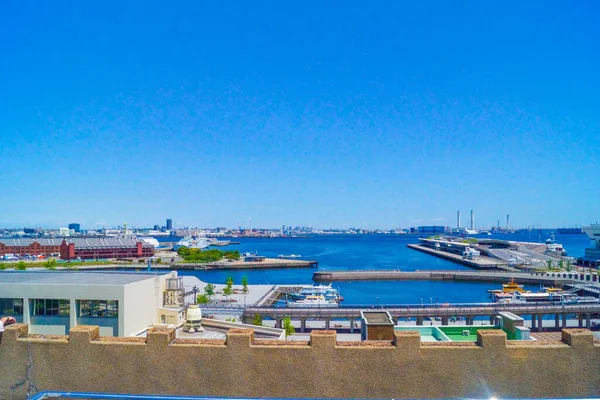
93, 248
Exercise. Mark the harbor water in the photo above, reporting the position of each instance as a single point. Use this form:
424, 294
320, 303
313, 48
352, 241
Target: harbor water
360, 252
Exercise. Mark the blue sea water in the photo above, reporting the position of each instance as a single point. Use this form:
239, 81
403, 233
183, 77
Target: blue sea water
360, 252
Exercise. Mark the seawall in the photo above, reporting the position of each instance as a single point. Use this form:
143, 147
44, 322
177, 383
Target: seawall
483, 262
465, 276
321, 367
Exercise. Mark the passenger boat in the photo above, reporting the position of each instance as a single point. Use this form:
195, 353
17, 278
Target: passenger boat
314, 301
289, 256
513, 287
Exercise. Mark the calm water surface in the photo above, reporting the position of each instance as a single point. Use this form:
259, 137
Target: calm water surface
344, 253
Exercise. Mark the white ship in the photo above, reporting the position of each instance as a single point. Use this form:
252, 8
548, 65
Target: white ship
190, 242
315, 301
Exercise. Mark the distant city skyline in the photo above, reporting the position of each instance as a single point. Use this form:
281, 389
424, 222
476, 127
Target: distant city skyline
329, 115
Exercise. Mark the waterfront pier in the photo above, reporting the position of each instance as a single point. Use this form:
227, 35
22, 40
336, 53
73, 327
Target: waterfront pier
483, 262
537, 278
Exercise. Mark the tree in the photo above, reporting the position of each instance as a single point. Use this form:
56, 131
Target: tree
569, 266
228, 290
561, 264
50, 263
549, 263
209, 290
203, 299
232, 255
287, 326
257, 320
183, 251
21, 265
245, 284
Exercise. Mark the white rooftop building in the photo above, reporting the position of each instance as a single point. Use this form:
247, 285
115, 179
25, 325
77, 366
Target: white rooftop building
122, 304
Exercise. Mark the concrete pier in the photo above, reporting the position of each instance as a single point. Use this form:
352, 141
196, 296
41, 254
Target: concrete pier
482, 263
469, 276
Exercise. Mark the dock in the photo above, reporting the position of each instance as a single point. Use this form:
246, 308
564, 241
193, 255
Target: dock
483, 262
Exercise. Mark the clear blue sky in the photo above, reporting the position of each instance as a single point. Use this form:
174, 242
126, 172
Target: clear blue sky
327, 114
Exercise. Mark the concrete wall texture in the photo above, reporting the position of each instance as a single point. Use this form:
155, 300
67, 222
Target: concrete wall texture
243, 367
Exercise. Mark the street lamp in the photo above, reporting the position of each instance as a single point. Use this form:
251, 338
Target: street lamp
377, 302
431, 300
195, 290
421, 302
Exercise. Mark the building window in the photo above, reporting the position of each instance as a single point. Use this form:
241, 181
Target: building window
51, 307
11, 306
99, 308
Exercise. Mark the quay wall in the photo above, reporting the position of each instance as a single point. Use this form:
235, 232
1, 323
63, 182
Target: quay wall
483, 263
470, 276
322, 367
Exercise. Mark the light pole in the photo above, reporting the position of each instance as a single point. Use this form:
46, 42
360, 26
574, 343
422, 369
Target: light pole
431, 300
377, 302
195, 290
421, 302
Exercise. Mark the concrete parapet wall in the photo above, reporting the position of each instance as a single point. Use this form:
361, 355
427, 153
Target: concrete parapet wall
242, 367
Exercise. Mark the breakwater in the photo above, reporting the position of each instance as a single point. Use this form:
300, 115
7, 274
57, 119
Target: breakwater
483, 262
469, 276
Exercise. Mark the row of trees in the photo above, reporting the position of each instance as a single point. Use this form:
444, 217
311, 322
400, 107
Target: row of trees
206, 256
561, 265
50, 264
287, 324
209, 290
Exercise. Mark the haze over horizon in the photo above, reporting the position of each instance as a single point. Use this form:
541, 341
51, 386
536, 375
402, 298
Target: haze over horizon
329, 115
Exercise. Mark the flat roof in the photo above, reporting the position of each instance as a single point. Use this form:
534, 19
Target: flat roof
377, 318
72, 278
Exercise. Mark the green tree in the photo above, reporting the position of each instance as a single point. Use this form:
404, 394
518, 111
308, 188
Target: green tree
288, 327
257, 320
183, 251
561, 264
2, 266
232, 255
21, 265
245, 284
209, 290
227, 291
203, 299
569, 266
50, 263
549, 263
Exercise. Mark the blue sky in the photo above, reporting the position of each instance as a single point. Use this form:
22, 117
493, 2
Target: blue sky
372, 115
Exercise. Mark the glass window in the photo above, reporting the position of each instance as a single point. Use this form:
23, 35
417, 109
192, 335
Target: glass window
85, 308
11, 306
98, 308
50, 307
112, 308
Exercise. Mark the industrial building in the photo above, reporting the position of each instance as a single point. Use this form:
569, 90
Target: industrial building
29, 246
591, 258
75, 227
431, 230
94, 248
121, 304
